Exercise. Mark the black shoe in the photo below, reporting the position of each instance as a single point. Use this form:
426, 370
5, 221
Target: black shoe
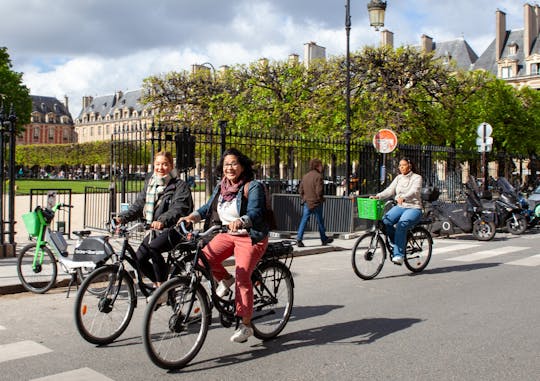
299, 243
327, 241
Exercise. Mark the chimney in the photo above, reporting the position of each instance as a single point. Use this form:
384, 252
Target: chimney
66, 104
312, 52
500, 33
387, 38
530, 31
293, 59
537, 13
86, 101
426, 43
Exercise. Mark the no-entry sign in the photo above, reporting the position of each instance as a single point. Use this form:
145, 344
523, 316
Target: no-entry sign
385, 141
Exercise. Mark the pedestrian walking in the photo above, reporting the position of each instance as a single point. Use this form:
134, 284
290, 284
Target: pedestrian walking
311, 191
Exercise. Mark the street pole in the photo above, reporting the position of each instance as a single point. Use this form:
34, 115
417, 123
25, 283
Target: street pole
348, 99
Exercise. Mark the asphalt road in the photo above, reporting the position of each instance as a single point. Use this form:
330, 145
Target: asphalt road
471, 315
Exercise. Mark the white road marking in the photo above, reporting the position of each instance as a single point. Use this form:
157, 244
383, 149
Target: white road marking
487, 254
529, 261
82, 374
457, 247
21, 349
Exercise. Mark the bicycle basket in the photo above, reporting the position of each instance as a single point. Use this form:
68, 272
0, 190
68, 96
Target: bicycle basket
34, 222
369, 208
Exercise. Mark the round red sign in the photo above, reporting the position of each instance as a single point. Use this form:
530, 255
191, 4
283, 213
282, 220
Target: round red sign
385, 141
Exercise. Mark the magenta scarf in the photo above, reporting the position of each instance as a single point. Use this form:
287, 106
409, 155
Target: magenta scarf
229, 190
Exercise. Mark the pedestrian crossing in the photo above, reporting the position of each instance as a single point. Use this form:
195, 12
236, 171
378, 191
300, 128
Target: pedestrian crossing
28, 349
476, 251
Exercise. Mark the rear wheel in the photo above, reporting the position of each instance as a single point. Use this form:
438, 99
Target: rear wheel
273, 299
368, 255
104, 305
419, 249
38, 278
174, 332
516, 224
483, 230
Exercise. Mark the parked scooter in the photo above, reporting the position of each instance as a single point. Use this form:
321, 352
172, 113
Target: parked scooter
468, 217
507, 208
531, 216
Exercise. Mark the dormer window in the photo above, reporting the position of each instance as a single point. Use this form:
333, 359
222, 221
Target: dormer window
534, 68
512, 48
506, 71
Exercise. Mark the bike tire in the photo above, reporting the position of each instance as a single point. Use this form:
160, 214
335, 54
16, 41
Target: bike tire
483, 230
419, 249
273, 299
516, 227
170, 339
104, 305
43, 278
368, 256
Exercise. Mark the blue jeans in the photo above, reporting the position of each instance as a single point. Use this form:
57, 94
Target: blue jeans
305, 218
397, 222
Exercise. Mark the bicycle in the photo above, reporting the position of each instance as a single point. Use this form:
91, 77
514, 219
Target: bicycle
369, 251
107, 298
37, 262
174, 332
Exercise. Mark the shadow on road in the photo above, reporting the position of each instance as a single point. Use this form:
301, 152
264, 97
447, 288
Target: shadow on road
358, 332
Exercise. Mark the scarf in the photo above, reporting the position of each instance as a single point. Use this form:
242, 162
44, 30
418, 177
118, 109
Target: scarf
229, 190
156, 185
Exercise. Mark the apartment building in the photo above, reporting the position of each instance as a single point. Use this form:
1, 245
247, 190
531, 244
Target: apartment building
50, 122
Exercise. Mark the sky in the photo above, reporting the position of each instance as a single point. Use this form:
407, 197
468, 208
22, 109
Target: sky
97, 47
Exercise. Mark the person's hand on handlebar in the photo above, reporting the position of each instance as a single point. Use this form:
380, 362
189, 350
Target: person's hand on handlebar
374, 196
186, 219
157, 225
236, 225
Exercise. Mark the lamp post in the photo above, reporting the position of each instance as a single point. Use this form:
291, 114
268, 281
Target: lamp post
376, 10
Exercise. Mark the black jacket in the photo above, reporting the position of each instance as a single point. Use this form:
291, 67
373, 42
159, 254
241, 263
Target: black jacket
174, 202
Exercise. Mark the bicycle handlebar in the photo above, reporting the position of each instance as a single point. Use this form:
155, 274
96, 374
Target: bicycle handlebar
202, 234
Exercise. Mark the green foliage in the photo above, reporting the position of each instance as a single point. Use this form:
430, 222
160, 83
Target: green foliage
424, 100
57, 155
13, 92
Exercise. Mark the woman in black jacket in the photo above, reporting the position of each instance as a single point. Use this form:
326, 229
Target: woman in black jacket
163, 200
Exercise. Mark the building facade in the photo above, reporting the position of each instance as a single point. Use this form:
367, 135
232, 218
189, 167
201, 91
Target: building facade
50, 123
101, 116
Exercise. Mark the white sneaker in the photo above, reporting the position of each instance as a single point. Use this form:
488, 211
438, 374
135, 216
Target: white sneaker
398, 259
224, 286
241, 334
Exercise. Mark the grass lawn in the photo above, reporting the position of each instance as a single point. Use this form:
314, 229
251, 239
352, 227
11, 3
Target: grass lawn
76, 186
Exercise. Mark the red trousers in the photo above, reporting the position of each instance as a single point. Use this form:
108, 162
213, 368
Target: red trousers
246, 257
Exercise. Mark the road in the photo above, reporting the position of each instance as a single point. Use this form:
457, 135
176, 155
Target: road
471, 315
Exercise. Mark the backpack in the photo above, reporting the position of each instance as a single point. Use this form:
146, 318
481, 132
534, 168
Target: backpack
269, 215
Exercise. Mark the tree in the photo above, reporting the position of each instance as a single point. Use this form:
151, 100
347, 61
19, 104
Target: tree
13, 92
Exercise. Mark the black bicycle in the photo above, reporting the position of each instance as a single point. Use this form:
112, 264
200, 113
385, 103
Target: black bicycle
369, 251
107, 298
174, 332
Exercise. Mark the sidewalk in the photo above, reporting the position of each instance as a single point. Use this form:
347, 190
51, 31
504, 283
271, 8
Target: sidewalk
10, 284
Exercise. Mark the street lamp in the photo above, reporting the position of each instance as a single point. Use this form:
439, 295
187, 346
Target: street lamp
376, 10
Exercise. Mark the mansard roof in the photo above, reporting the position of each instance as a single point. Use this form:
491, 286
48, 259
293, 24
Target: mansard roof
488, 61
458, 50
46, 105
108, 104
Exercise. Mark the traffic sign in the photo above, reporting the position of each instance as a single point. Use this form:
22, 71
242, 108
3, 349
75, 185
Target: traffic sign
484, 130
488, 140
385, 141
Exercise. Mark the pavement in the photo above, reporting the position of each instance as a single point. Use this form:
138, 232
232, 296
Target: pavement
10, 283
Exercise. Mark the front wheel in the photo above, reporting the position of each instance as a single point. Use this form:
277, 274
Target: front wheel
174, 332
516, 224
368, 255
104, 305
273, 299
419, 249
40, 276
483, 230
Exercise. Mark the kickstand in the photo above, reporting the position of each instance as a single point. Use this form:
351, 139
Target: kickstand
71, 281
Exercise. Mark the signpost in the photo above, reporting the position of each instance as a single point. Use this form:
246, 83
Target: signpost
385, 141
484, 141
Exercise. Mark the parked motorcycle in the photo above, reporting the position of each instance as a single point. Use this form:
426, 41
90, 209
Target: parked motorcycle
532, 216
467, 217
507, 208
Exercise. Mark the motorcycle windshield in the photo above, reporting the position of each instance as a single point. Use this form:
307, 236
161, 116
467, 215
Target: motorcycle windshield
505, 185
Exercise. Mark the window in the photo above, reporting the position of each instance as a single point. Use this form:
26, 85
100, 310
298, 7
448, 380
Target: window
65, 134
36, 133
535, 69
506, 72
51, 133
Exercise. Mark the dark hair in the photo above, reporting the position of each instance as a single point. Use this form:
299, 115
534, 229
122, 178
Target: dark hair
413, 167
314, 164
245, 162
